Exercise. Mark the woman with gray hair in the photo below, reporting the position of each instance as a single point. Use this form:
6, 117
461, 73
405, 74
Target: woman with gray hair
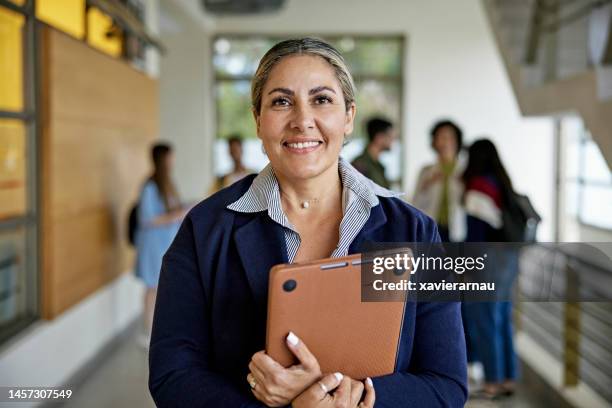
307, 204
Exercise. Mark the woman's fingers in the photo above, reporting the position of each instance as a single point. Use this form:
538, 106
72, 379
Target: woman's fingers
257, 371
267, 368
370, 394
356, 392
265, 363
326, 385
279, 383
253, 381
343, 392
258, 387
303, 354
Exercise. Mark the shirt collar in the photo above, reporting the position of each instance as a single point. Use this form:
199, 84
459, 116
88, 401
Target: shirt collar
264, 192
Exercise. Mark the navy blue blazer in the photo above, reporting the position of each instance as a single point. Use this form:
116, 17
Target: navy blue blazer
210, 315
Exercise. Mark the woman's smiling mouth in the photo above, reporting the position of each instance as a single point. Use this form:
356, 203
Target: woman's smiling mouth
302, 147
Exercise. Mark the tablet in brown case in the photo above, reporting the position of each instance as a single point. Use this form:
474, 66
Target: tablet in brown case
321, 303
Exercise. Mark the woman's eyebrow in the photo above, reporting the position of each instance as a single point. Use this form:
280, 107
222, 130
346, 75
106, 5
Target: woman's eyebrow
319, 89
282, 90
313, 91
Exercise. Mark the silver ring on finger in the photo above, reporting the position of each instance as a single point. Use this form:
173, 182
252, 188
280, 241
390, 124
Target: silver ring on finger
323, 387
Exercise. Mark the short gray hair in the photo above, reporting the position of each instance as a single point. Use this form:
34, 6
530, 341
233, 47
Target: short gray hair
302, 46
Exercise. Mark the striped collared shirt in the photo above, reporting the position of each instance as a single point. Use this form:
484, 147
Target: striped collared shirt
359, 196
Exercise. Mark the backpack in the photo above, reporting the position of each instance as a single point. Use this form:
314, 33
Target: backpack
133, 224
520, 220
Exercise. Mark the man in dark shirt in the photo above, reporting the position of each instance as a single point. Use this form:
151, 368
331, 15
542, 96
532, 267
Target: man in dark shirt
380, 138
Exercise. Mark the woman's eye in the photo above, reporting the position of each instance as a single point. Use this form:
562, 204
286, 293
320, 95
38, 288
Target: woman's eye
321, 100
280, 102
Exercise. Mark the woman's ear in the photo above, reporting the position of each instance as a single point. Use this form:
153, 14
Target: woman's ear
350, 119
256, 117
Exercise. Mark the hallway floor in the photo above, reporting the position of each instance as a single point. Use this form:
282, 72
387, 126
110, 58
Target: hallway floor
121, 381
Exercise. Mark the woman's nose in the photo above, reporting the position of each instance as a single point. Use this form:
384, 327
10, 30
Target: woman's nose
302, 118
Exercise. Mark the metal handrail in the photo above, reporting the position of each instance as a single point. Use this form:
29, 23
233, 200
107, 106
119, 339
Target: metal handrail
583, 346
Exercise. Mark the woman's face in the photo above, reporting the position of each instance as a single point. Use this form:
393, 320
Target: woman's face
303, 117
445, 142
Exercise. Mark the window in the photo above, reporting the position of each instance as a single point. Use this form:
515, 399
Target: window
65, 15
375, 63
11, 60
98, 28
102, 33
12, 169
18, 229
589, 179
19, 276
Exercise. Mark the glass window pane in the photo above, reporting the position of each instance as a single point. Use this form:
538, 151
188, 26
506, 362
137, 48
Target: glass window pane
371, 56
595, 167
101, 33
596, 206
13, 288
12, 168
572, 190
234, 105
11, 60
572, 130
238, 57
65, 15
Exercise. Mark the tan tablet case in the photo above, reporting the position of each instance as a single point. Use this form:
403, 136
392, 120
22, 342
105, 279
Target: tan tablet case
325, 311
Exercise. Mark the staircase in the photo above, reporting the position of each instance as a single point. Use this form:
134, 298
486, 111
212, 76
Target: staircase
546, 46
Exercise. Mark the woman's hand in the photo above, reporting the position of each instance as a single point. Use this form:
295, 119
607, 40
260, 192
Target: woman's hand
347, 394
277, 386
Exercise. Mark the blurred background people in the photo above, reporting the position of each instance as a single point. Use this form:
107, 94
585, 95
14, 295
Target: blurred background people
89, 127
381, 135
234, 144
159, 214
488, 191
439, 186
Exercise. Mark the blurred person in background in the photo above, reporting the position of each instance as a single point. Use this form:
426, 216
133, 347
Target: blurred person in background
488, 190
159, 215
439, 187
234, 144
438, 193
381, 135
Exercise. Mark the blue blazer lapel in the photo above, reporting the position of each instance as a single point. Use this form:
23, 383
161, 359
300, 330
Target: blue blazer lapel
261, 245
367, 234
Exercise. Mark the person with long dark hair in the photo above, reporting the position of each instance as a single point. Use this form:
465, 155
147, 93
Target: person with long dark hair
488, 191
159, 214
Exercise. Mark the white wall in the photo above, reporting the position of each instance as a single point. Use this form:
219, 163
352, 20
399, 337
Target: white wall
152, 24
453, 69
50, 352
185, 90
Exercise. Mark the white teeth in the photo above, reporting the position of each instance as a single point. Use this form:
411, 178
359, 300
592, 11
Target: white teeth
303, 145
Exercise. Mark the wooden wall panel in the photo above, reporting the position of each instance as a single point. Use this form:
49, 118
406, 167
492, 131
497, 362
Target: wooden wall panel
99, 119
